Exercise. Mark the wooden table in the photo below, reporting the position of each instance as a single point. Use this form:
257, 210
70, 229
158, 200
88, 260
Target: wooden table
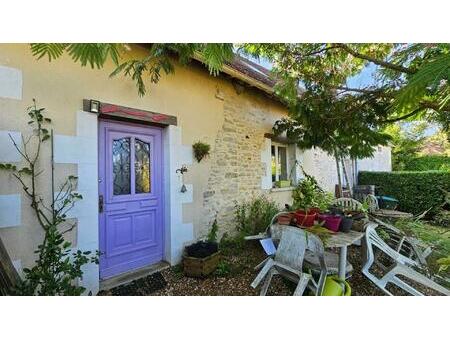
342, 240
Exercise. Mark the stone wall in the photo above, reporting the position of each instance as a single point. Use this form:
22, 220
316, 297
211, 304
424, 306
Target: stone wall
236, 167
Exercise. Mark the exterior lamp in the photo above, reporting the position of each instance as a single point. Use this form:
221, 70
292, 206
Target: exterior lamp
95, 106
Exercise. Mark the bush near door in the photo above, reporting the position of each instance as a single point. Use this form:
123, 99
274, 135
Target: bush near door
416, 191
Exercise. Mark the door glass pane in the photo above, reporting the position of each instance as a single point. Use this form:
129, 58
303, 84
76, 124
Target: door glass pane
142, 167
121, 166
282, 162
274, 165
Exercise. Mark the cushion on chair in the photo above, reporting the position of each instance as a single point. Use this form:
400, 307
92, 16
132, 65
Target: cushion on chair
331, 259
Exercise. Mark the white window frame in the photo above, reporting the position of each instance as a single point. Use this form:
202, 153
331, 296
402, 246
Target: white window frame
276, 145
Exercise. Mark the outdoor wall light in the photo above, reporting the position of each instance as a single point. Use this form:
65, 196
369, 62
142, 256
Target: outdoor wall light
182, 170
95, 106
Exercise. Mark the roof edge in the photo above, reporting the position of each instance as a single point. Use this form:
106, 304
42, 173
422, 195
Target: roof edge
240, 76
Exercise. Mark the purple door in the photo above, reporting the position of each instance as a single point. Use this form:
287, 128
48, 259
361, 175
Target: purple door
130, 201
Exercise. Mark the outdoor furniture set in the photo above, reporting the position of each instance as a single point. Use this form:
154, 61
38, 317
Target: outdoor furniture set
296, 250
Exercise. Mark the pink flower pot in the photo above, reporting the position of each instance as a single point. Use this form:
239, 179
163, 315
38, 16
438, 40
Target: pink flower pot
332, 222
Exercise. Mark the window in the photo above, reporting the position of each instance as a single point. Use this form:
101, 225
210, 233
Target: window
121, 166
279, 163
142, 166
130, 153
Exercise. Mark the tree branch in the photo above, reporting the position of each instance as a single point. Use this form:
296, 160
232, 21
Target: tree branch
414, 112
378, 62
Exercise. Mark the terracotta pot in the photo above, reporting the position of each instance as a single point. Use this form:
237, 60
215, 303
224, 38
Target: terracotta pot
286, 218
332, 222
305, 219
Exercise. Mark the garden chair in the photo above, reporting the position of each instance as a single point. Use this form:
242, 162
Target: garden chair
349, 203
311, 260
288, 261
375, 210
401, 267
405, 245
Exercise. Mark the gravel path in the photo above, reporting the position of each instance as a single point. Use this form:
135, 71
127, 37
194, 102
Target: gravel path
234, 275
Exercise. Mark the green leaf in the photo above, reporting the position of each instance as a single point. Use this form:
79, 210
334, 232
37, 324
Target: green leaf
51, 50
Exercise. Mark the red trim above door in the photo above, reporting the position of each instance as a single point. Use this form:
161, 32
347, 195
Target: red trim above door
115, 111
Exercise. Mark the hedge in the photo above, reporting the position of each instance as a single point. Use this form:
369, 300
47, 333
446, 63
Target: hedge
416, 191
429, 162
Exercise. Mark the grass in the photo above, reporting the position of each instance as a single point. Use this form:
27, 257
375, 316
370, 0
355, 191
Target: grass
438, 238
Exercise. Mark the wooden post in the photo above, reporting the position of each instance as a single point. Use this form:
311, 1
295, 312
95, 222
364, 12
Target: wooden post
338, 173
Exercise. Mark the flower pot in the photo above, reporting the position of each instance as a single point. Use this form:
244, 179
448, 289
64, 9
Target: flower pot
314, 211
305, 219
346, 224
332, 222
286, 219
201, 259
282, 184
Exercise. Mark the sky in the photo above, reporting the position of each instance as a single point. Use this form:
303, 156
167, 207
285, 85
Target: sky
365, 78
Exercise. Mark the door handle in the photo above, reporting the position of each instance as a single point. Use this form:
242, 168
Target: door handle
100, 203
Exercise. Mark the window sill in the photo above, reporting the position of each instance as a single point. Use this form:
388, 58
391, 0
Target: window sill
282, 189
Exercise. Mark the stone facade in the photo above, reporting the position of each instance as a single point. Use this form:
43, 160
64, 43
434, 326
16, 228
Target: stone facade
236, 167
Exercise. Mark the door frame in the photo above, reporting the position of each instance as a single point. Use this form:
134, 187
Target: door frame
101, 167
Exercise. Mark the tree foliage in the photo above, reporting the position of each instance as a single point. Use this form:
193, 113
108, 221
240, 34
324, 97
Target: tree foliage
156, 61
411, 79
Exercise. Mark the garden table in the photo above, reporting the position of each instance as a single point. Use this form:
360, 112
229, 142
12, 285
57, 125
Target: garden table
342, 240
339, 240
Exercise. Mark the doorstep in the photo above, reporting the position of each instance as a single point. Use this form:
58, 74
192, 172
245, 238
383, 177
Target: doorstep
130, 276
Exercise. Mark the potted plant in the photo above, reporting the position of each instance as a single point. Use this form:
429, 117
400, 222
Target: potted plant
201, 150
331, 222
309, 199
202, 258
282, 184
346, 223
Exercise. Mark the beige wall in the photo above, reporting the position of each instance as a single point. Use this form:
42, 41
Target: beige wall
190, 94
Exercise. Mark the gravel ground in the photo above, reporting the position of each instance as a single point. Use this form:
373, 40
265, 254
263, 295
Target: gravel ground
236, 275
233, 278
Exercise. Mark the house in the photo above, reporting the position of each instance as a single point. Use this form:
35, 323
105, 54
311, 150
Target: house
127, 152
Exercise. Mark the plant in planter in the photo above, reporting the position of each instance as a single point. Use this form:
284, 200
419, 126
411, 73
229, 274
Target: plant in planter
202, 258
310, 198
201, 150
352, 218
331, 222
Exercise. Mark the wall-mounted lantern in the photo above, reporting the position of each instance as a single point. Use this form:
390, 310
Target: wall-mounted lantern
94, 106
182, 170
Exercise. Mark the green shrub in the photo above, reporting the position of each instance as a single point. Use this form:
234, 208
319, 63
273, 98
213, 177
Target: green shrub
430, 162
253, 216
416, 191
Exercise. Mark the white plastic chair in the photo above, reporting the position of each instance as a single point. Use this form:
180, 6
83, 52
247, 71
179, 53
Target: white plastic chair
401, 267
311, 260
288, 261
349, 203
372, 201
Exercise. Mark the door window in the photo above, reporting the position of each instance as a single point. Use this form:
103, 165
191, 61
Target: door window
142, 167
121, 166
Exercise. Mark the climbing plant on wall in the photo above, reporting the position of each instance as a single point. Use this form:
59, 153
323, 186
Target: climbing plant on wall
57, 269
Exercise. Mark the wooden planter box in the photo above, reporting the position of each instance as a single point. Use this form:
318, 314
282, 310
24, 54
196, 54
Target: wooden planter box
200, 267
